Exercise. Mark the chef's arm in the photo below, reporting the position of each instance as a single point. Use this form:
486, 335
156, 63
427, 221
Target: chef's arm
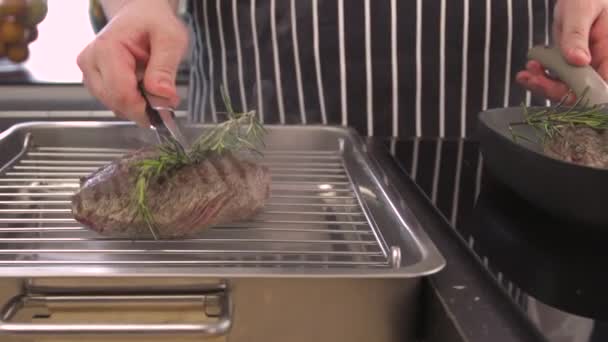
111, 7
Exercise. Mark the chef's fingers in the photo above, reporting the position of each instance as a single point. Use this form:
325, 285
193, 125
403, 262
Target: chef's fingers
535, 68
545, 87
86, 63
602, 69
117, 66
552, 90
93, 81
91, 76
523, 78
556, 29
168, 44
600, 58
575, 19
599, 44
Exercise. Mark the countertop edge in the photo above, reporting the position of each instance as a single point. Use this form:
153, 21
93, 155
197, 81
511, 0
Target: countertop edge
61, 96
481, 309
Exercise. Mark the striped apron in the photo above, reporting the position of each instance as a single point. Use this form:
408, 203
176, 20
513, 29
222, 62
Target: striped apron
407, 68
403, 68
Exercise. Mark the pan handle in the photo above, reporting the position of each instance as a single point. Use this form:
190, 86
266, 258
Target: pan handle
577, 78
219, 327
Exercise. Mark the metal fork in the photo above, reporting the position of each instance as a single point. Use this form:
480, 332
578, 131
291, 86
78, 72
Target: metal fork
162, 118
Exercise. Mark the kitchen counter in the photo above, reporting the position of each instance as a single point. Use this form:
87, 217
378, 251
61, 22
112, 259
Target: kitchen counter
546, 267
34, 98
483, 310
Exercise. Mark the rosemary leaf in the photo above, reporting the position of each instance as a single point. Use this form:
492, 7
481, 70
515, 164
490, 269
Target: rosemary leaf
550, 121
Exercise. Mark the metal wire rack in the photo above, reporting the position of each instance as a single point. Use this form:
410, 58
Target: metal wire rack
314, 218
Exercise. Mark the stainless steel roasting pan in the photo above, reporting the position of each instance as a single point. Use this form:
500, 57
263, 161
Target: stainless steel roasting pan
335, 255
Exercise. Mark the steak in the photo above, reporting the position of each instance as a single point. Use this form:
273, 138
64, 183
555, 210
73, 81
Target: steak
217, 190
581, 145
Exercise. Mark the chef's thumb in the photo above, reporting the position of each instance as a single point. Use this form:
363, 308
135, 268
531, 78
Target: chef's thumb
166, 53
575, 29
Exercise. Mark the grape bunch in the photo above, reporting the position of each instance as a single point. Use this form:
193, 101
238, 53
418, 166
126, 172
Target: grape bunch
18, 27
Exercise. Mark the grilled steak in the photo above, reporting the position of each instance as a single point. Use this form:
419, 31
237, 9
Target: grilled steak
218, 190
580, 145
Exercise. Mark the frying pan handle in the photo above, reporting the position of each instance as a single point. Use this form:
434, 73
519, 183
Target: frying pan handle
577, 78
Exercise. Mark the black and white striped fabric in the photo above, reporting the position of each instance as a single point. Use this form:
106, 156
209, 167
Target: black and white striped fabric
398, 68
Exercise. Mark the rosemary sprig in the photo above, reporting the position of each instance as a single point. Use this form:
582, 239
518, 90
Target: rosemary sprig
241, 131
551, 121
229, 135
171, 157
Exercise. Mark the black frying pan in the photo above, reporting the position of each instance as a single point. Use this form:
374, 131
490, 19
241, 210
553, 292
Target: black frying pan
565, 190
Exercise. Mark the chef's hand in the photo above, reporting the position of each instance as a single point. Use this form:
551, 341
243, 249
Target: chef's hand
580, 29
142, 34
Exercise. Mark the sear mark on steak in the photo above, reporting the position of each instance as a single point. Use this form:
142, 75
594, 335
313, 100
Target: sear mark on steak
580, 145
217, 190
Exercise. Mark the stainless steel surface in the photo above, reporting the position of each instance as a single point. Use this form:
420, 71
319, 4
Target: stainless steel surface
264, 309
335, 256
209, 302
58, 97
328, 215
